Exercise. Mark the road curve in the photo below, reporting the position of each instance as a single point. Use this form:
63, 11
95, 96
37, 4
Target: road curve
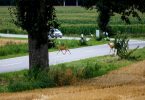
20, 63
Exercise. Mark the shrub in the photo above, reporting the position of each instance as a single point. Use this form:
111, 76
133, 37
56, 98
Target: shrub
121, 44
40, 78
83, 41
64, 76
19, 86
90, 70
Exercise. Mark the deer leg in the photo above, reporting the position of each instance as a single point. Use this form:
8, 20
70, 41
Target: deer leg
68, 51
62, 52
65, 51
115, 51
58, 51
110, 50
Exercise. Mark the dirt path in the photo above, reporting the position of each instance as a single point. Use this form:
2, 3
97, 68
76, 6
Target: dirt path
127, 83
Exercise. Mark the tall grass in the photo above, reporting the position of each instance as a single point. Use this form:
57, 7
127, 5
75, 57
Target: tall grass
13, 49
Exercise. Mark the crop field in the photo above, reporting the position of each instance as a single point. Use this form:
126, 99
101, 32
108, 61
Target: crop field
77, 20
7, 41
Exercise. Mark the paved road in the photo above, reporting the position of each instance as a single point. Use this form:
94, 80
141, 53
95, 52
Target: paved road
26, 36
19, 63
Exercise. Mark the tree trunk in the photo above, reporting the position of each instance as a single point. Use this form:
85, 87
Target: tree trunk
77, 3
38, 52
63, 2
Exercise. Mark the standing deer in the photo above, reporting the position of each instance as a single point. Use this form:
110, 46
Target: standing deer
62, 48
112, 48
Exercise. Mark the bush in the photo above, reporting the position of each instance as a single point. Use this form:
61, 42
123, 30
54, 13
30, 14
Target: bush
63, 75
19, 86
90, 70
83, 41
41, 78
121, 44
34, 78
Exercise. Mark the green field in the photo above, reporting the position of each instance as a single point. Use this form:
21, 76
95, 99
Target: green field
77, 20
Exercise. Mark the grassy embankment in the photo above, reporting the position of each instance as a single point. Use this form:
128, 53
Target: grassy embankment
67, 73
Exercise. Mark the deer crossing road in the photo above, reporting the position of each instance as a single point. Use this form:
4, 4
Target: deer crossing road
20, 63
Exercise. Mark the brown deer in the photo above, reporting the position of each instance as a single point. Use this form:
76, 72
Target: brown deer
112, 48
62, 48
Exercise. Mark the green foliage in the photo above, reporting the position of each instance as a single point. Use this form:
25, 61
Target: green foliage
19, 86
108, 8
91, 70
121, 44
78, 28
77, 20
69, 43
64, 74
11, 49
83, 41
32, 16
34, 78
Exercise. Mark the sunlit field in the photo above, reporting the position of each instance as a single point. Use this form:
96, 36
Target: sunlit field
77, 20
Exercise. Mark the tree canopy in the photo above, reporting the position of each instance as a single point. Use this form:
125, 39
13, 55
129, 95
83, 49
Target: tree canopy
107, 8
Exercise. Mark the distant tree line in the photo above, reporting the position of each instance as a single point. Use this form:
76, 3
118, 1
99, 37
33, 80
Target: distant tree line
6, 2
56, 2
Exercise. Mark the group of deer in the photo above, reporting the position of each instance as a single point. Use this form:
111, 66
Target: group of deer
63, 47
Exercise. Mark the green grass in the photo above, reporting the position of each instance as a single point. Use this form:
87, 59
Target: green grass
77, 20
64, 74
13, 49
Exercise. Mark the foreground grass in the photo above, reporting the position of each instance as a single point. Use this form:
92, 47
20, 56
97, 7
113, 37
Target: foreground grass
67, 73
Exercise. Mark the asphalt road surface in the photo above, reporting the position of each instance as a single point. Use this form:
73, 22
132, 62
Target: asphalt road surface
26, 36
20, 63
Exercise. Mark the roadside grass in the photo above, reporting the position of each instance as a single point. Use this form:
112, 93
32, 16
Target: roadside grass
14, 50
11, 49
67, 73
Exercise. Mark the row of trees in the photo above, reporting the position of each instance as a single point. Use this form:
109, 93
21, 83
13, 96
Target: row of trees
37, 16
56, 2
108, 8
6, 2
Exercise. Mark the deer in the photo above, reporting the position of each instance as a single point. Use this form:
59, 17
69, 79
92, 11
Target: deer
112, 47
62, 48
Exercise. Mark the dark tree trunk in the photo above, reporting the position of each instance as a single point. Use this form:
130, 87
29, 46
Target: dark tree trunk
77, 3
38, 40
38, 53
63, 2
